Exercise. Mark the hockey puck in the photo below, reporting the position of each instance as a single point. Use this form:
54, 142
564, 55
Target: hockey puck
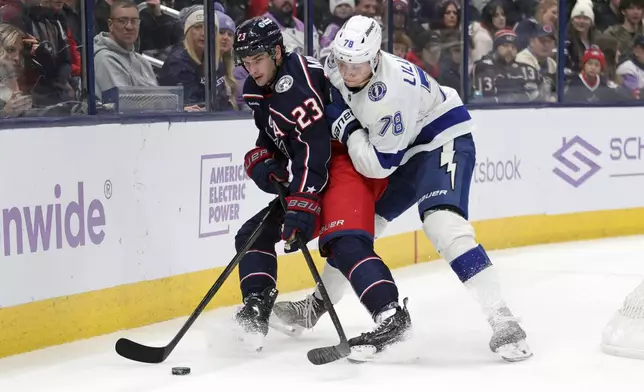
180, 371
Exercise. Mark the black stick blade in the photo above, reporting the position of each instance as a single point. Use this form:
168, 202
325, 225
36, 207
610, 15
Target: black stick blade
324, 355
140, 353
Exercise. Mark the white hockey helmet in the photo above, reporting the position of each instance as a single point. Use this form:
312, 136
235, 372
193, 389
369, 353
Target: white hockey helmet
358, 41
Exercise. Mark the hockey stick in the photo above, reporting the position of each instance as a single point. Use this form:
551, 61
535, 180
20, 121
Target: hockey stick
138, 352
322, 355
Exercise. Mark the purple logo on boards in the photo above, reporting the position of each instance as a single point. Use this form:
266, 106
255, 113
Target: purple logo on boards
575, 156
73, 223
222, 188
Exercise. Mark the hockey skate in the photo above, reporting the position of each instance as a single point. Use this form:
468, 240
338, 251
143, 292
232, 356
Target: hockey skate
394, 326
253, 317
292, 318
508, 339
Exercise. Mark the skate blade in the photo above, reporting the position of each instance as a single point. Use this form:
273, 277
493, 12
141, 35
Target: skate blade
251, 342
515, 352
248, 341
363, 354
293, 331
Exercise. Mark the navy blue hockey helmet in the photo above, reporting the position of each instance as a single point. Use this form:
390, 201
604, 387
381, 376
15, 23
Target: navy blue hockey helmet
255, 36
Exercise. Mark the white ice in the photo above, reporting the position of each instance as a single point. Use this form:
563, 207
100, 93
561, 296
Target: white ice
564, 293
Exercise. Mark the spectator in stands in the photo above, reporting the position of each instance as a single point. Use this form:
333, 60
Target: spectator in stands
403, 21
230, 79
226, 38
75, 55
426, 52
493, 19
102, 15
258, 7
72, 11
632, 70
13, 102
116, 62
580, 35
402, 44
546, 15
47, 70
608, 14
293, 30
537, 55
448, 20
367, 8
12, 45
184, 65
609, 46
631, 26
497, 77
450, 64
589, 85
341, 11
159, 32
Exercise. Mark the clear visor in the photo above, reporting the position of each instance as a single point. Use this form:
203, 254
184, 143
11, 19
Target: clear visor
353, 67
354, 74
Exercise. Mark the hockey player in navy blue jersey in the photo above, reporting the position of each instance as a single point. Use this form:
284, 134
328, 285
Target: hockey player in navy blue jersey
288, 94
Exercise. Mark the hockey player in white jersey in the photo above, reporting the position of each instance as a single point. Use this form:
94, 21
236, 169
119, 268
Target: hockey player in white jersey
418, 134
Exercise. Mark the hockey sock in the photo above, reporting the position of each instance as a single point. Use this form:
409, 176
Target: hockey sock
258, 267
477, 273
370, 278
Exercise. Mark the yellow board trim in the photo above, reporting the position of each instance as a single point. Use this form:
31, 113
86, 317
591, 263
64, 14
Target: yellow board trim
64, 319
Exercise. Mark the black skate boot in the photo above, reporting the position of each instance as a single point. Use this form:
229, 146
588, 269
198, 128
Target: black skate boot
292, 318
394, 325
508, 339
253, 317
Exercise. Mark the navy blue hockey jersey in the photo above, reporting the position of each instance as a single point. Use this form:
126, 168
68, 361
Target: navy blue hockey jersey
291, 119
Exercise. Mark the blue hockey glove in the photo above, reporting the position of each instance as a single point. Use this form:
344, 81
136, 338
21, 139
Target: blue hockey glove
302, 216
264, 169
343, 122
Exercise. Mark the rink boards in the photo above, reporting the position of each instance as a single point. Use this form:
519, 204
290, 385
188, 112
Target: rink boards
117, 226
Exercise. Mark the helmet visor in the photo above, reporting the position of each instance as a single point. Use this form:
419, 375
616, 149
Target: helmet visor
354, 74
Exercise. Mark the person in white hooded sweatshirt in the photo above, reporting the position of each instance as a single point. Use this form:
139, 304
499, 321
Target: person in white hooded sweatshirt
116, 63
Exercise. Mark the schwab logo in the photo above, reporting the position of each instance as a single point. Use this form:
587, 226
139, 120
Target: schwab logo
71, 222
497, 171
578, 167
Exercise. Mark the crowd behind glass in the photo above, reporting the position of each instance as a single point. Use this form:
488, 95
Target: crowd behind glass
56, 62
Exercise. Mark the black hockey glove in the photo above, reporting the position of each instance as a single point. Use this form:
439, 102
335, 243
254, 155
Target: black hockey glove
264, 169
303, 216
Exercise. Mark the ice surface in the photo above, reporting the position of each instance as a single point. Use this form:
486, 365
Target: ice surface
564, 293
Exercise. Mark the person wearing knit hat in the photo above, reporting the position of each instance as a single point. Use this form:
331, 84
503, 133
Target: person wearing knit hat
497, 77
191, 16
590, 85
401, 13
345, 10
341, 11
583, 8
229, 76
580, 35
226, 31
184, 65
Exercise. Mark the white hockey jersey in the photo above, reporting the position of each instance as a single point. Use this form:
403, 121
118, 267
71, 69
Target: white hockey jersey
403, 112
